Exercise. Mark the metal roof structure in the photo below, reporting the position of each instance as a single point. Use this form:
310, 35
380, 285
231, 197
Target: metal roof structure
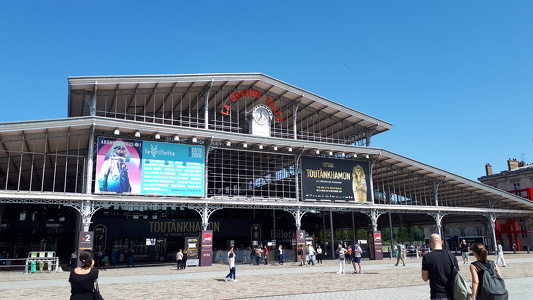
46, 161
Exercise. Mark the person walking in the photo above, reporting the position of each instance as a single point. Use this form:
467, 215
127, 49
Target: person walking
481, 254
73, 262
318, 255
465, 249
356, 254
499, 254
258, 253
82, 278
342, 262
312, 254
437, 267
400, 256
231, 264
179, 259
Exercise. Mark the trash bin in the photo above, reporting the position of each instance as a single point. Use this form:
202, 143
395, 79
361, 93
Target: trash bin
33, 266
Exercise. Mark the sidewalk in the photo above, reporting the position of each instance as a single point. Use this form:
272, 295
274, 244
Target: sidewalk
380, 279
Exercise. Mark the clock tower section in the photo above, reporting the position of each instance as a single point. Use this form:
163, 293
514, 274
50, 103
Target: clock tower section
260, 121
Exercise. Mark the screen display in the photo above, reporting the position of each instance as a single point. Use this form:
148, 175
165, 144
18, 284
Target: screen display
145, 167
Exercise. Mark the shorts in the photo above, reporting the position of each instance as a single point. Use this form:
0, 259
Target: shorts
464, 254
356, 260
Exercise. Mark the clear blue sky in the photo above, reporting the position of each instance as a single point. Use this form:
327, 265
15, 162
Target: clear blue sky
455, 78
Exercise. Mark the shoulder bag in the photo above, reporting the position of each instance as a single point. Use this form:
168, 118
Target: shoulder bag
96, 292
461, 287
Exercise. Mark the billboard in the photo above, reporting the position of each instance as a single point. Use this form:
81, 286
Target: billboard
335, 179
145, 167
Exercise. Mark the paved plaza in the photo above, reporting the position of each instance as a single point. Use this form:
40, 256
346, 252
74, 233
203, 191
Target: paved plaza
380, 280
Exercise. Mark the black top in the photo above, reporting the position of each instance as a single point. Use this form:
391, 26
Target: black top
81, 284
480, 273
464, 247
439, 267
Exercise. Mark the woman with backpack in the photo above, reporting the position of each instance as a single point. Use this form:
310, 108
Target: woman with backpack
478, 269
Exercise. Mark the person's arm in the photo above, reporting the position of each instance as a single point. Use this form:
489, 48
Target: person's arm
475, 280
497, 270
425, 275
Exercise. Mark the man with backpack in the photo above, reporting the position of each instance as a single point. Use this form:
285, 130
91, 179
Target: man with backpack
437, 267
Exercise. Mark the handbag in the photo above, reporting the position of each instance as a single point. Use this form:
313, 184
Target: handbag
96, 292
461, 287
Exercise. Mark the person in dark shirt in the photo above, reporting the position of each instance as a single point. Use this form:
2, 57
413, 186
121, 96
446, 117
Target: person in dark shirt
438, 269
465, 249
82, 278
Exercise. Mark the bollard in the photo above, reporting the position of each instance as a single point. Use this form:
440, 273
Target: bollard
527, 249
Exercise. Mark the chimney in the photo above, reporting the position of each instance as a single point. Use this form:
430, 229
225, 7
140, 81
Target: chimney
512, 164
521, 164
488, 169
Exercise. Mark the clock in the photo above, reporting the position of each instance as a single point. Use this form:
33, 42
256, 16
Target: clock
262, 115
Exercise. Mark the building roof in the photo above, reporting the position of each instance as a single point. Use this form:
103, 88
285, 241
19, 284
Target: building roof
218, 88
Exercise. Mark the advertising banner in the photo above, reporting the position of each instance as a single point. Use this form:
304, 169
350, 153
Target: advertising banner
206, 248
300, 242
144, 167
375, 245
335, 179
191, 247
85, 242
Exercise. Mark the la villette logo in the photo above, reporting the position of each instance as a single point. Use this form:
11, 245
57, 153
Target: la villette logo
233, 97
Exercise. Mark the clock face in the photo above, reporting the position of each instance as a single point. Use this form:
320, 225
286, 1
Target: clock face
261, 115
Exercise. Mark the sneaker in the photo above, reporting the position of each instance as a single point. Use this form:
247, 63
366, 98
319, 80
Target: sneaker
235, 280
226, 279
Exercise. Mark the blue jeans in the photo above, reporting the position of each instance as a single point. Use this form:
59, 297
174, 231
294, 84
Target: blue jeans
312, 259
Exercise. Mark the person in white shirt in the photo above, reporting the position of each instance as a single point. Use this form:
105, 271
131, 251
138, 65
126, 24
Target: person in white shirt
318, 255
499, 254
231, 264
312, 253
342, 264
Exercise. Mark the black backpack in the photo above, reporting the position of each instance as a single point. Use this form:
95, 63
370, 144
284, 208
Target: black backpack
493, 286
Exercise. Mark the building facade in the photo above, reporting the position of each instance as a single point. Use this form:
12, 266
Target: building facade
148, 161
517, 179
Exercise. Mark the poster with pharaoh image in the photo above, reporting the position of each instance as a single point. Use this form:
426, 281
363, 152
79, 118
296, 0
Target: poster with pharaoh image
335, 179
145, 167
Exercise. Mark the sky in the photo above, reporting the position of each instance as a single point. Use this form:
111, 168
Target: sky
454, 78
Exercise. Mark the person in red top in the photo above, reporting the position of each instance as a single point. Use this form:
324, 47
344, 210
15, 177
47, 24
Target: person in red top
267, 257
349, 251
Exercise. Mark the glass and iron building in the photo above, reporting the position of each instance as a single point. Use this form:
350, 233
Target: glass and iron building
149, 160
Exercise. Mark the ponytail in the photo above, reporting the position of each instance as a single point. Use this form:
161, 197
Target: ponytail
481, 252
